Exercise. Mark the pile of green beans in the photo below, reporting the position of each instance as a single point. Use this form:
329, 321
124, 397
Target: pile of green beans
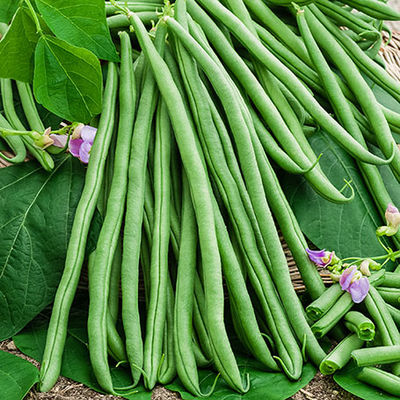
209, 102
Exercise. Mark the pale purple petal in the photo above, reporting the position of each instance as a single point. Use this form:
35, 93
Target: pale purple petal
74, 146
359, 289
347, 276
88, 133
59, 140
84, 152
316, 256
392, 209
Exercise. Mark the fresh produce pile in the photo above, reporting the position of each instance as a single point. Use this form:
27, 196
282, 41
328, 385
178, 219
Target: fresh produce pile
207, 107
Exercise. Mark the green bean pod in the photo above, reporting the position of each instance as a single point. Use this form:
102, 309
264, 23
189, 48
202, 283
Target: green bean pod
29, 107
319, 307
41, 155
203, 206
392, 280
255, 47
167, 370
376, 355
138, 190
122, 21
184, 297
357, 84
345, 17
390, 295
99, 280
395, 313
136, 6
381, 379
374, 71
340, 355
361, 325
333, 316
57, 331
15, 142
384, 322
157, 308
375, 9
275, 25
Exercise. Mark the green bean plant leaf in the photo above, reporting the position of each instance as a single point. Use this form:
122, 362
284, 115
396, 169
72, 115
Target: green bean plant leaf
347, 379
76, 362
67, 79
17, 376
81, 23
348, 229
17, 47
261, 383
7, 10
36, 214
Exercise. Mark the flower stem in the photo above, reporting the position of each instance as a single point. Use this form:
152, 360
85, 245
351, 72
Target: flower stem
382, 244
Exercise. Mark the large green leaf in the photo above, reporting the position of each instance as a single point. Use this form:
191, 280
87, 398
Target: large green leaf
76, 361
81, 23
67, 79
17, 376
36, 214
264, 385
7, 9
17, 47
347, 379
348, 229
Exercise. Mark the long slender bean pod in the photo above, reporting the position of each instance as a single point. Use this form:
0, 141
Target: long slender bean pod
29, 106
184, 298
57, 331
99, 280
157, 308
134, 218
194, 168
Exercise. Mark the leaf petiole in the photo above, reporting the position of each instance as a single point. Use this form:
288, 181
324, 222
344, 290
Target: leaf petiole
35, 17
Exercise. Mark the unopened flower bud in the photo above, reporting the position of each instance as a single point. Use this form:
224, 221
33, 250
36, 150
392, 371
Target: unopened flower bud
364, 268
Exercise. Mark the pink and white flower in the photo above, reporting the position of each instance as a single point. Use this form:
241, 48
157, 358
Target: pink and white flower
353, 282
80, 142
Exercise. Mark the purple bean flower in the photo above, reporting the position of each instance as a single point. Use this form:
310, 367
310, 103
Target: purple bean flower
320, 257
80, 143
353, 281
